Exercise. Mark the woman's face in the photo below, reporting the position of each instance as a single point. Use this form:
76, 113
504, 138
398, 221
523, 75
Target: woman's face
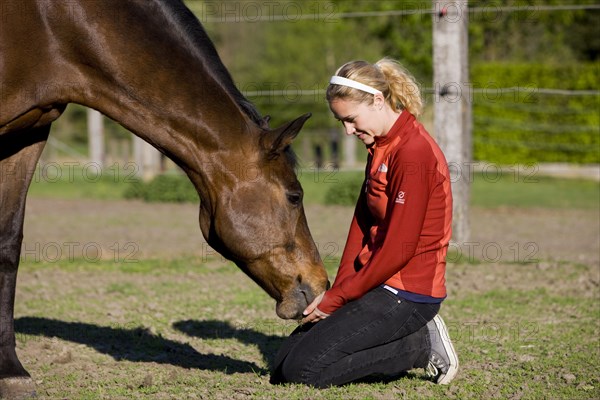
359, 119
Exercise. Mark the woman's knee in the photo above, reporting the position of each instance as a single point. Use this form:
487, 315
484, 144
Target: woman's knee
295, 370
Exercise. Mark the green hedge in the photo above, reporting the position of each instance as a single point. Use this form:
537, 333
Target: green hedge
345, 192
525, 125
164, 188
342, 190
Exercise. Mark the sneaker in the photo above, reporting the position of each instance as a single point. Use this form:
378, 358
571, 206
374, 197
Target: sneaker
443, 361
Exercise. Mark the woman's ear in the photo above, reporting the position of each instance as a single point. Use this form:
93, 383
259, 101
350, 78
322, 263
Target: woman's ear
378, 101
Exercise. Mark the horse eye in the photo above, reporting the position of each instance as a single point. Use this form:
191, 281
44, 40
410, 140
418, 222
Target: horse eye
295, 198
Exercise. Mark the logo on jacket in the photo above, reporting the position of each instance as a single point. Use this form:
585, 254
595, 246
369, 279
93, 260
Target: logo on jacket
400, 198
382, 168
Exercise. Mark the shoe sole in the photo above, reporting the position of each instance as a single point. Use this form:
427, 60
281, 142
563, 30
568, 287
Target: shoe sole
449, 348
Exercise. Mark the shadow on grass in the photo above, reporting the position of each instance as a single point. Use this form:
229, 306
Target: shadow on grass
267, 344
132, 344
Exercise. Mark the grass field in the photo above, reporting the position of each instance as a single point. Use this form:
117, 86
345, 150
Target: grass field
489, 189
186, 329
185, 326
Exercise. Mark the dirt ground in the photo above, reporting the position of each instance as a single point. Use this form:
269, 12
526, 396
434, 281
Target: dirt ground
131, 229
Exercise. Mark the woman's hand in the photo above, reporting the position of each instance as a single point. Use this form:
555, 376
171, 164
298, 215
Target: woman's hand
312, 313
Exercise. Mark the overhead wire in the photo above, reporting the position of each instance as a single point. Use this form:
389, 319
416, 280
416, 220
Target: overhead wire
231, 17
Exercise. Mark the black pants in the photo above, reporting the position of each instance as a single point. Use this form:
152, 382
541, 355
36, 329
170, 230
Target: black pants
378, 334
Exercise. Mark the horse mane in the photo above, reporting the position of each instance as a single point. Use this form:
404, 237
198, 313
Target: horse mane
189, 28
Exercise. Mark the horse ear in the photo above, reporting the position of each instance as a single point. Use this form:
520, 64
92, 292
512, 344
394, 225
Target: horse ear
276, 140
264, 123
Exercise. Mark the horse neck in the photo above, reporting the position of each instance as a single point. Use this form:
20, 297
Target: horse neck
150, 66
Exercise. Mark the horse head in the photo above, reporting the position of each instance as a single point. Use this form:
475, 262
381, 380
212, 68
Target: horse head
258, 221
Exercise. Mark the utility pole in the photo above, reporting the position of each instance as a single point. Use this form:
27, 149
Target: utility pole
452, 104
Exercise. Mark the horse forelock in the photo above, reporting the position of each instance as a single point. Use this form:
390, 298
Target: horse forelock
291, 157
189, 28
288, 154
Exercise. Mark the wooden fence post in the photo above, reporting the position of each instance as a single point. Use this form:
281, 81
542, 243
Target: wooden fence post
146, 158
452, 104
96, 137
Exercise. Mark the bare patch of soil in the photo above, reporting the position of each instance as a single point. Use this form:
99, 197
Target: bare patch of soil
145, 230
533, 240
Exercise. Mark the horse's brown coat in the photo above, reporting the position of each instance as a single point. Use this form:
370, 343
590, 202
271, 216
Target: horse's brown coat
149, 65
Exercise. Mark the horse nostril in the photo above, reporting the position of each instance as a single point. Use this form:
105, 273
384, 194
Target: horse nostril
306, 299
306, 291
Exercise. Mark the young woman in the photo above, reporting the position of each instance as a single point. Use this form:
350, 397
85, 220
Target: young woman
380, 315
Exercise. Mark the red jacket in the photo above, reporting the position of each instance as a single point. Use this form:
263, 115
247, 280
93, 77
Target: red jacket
402, 223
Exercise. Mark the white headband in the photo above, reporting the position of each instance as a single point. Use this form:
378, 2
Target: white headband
340, 80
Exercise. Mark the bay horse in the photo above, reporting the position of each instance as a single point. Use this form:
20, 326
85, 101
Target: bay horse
150, 66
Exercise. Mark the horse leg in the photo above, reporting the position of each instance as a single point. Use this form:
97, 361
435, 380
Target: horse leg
19, 153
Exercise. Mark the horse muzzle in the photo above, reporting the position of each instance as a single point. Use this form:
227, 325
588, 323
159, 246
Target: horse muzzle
292, 305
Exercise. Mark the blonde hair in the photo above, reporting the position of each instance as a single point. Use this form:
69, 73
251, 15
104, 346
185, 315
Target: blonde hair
398, 86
